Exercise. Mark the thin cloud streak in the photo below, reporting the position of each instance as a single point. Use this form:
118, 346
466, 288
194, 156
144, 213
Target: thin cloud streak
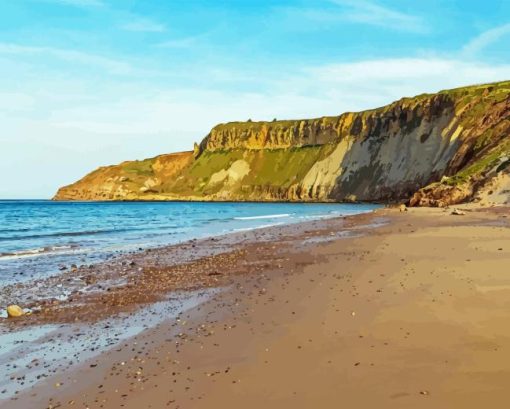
485, 39
358, 12
368, 12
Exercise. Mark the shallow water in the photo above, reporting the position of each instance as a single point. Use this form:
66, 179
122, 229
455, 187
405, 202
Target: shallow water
38, 237
31, 355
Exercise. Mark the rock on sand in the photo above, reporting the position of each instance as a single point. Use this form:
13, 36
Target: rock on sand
14, 311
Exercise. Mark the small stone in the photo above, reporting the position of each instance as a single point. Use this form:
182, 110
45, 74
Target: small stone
458, 212
14, 311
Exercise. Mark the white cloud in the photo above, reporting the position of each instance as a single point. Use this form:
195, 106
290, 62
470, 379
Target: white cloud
372, 83
485, 39
445, 71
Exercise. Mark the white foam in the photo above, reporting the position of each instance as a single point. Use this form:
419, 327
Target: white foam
257, 227
268, 216
15, 255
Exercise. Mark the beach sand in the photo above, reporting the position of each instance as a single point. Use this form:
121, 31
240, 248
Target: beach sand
386, 310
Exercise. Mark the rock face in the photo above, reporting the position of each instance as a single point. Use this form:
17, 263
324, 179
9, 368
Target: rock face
433, 149
127, 181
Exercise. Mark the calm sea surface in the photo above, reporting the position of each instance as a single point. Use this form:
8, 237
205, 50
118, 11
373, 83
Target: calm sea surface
36, 237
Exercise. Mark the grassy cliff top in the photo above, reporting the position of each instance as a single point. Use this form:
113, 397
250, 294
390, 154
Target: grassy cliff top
497, 90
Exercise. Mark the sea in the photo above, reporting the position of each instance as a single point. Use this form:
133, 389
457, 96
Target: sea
40, 237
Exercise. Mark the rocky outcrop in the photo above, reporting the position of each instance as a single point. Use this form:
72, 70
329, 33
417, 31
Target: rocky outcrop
128, 181
489, 186
276, 134
432, 150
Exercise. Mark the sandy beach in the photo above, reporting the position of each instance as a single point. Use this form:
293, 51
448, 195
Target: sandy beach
387, 310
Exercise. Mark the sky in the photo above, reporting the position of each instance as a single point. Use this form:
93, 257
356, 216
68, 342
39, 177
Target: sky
88, 83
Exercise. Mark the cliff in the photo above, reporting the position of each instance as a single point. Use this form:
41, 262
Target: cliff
433, 149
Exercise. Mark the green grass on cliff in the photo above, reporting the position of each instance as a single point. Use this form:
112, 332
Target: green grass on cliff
278, 167
282, 167
479, 166
481, 97
194, 179
139, 167
256, 126
478, 89
212, 162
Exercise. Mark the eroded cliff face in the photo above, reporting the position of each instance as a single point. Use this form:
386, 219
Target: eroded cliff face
128, 181
426, 149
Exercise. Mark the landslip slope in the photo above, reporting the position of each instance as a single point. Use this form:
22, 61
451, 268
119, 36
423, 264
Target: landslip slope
432, 150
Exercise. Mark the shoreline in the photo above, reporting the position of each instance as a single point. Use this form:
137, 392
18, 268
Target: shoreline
125, 270
276, 258
32, 255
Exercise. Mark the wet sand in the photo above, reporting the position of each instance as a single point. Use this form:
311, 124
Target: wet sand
336, 313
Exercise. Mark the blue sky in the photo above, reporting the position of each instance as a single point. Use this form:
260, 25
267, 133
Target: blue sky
85, 83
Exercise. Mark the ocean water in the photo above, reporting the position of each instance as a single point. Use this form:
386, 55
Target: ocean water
37, 237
